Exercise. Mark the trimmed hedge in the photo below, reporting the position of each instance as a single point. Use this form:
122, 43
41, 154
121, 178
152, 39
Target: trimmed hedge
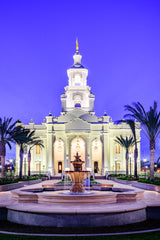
155, 181
4, 181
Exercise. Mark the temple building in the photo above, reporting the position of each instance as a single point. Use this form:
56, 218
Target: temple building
78, 129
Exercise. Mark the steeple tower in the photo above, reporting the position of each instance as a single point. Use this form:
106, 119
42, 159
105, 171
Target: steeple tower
77, 93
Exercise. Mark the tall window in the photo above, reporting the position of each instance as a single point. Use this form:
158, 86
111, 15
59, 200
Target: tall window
118, 166
117, 148
37, 167
130, 150
37, 149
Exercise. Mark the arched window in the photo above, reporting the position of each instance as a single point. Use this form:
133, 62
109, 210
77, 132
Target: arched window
117, 148
97, 156
58, 156
77, 105
38, 149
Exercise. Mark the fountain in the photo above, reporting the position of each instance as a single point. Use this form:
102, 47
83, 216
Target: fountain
77, 176
76, 207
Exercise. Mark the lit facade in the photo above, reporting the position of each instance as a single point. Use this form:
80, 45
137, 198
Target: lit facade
78, 129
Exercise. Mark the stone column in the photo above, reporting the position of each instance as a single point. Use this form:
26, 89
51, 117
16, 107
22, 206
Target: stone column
50, 156
138, 159
88, 154
106, 153
66, 157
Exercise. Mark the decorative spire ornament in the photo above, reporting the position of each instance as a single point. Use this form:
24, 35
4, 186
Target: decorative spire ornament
77, 46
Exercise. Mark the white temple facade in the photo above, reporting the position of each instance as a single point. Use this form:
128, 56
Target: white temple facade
78, 129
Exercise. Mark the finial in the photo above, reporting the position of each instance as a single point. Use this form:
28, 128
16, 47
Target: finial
77, 46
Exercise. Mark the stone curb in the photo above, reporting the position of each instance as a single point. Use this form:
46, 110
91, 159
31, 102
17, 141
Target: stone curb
80, 235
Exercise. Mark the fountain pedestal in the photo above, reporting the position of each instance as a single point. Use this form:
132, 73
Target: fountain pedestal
77, 176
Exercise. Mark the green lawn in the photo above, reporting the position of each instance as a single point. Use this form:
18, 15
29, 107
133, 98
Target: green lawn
144, 236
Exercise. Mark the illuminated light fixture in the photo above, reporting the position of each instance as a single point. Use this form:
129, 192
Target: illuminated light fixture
77, 145
59, 148
77, 148
96, 145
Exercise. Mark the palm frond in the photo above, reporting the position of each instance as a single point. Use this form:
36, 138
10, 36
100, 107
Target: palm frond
125, 142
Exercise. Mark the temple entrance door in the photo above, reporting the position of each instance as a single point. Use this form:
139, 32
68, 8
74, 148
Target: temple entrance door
78, 145
59, 167
95, 167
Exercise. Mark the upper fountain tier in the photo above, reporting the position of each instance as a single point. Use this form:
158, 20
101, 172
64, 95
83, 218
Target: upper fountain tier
77, 163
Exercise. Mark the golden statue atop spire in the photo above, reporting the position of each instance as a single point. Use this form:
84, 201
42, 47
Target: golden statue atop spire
77, 46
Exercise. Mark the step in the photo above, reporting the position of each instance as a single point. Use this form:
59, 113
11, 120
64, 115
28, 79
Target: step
100, 177
55, 178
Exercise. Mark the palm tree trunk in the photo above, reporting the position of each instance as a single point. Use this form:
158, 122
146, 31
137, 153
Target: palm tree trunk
152, 157
29, 162
135, 160
3, 154
127, 163
3, 166
21, 161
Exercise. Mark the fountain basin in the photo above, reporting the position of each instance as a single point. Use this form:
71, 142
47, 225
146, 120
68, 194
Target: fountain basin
58, 209
54, 187
97, 197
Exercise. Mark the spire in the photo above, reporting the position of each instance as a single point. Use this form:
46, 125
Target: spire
77, 46
77, 57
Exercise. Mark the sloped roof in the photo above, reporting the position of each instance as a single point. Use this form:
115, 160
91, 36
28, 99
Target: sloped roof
77, 124
77, 113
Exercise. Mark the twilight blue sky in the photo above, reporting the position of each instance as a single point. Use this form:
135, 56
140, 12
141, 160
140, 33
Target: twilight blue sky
120, 45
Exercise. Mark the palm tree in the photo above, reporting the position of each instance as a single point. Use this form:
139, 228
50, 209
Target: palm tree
133, 126
34, 142
150, 121
126, 143
24, 136
6, 131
